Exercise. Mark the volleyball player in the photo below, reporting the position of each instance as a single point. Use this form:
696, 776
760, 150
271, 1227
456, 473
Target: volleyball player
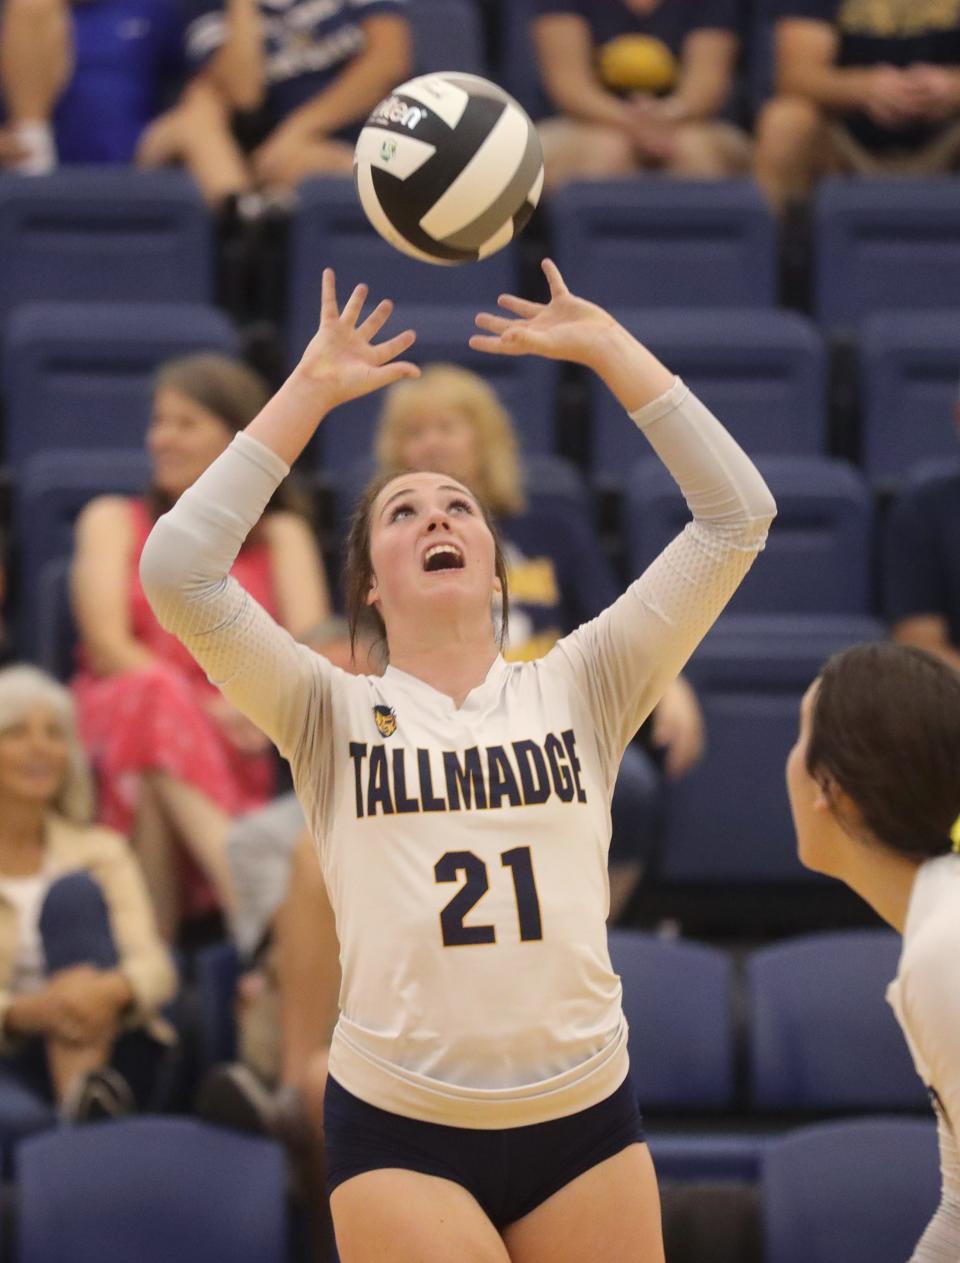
874, 785
479, 1106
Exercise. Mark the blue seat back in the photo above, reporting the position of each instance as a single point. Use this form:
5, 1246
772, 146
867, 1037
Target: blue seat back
858, 1191
330, 229
150, 1189
728, 820
678, 1002
763, 373
910, 373
80, 375
666, 243
447, 35
102, 233
822, 1035
816, 559
526, 385
54, 488
885, 245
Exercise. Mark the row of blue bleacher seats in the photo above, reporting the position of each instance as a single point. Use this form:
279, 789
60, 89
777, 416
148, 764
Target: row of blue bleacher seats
78, 374
801, 1029
97, 233
156, 1189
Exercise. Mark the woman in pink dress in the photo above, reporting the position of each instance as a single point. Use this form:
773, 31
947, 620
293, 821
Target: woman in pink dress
174, 761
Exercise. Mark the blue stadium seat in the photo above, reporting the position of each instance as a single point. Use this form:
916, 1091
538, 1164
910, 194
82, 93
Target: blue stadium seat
79, 374
330, 230
447, 35
728, 819
763, 373
217, 969
706, 1155
93, 233
909, 382
860, 1192
666, 243
822, 1035
53, 489
816, 559
527, 385
151, 1190
22, 1113
518, 69
678, 1001
885, 245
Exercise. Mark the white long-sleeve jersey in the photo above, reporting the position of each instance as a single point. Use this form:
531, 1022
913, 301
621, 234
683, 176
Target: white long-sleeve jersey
465, 849
925, 996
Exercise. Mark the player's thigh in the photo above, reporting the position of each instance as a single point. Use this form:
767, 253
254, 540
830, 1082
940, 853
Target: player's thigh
397, 1216
611, 1212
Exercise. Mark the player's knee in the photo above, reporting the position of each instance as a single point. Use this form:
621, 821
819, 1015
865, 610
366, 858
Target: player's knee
786, 129
608, 152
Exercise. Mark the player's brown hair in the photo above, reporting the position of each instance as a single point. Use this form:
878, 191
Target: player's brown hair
885, 728
358, 568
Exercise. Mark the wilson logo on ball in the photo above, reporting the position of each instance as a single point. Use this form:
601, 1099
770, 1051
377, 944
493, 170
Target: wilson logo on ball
465, 184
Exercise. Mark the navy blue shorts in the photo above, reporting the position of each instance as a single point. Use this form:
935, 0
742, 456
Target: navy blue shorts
509, 1172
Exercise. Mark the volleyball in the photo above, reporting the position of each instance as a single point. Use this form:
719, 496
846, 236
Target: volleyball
637, 63
448, 168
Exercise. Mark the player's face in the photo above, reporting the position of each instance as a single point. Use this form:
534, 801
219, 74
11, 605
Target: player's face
438, 436
812, 818
183, 438
431, 551
33, 757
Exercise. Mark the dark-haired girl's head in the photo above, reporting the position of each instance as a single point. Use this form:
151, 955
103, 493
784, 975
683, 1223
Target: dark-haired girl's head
878, 754
396, 520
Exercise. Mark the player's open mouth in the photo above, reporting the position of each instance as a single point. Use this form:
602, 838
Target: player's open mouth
443, 557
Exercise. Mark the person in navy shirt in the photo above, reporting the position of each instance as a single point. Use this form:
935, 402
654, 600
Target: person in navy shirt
82, 82
287, 85
869, 86
639, 85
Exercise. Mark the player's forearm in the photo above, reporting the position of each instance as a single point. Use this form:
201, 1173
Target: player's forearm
633, 374
698, 96
238, 67
586, 101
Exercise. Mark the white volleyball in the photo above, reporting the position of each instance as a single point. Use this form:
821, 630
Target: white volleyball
448, 168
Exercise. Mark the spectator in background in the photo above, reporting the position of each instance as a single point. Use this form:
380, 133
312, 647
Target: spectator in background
83, 82
303, 78
83, 972
639, 85
921, 565
175, 762
871, 88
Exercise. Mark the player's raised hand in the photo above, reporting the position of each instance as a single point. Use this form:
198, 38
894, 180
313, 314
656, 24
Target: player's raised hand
565, 328
342, 359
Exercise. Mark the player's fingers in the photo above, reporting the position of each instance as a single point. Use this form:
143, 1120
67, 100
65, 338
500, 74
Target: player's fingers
328, 296
384, 352
521, 306
398, 371
491, 323
376, 320
505, 345
556, 282
354, 304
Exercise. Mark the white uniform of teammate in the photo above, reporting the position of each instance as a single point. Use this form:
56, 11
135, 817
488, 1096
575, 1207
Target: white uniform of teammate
925, 996
465, 849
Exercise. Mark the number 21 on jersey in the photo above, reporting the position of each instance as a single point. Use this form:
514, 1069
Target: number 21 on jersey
475, 886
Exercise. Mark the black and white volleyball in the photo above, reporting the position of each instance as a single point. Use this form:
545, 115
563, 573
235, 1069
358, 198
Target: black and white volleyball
448, 168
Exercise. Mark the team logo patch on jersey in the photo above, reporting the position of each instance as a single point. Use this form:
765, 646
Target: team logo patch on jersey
385, 718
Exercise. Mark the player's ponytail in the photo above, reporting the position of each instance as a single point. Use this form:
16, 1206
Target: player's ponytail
885, 728
358, 568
